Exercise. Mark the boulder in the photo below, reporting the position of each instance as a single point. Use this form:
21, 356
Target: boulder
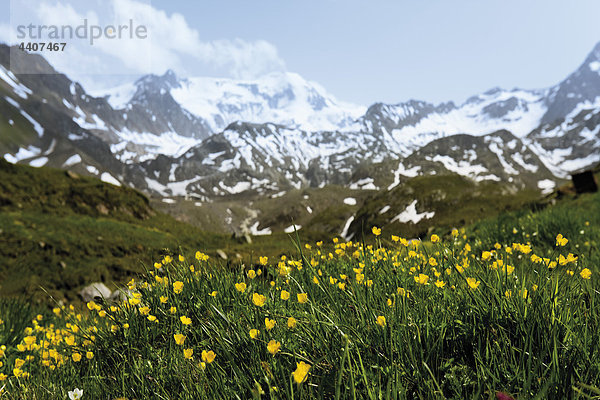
94, 290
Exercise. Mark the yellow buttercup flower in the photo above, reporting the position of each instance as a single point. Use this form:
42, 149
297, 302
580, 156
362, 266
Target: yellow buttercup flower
273, 346
208, 356
240, 287
89, 355
561, 240
185, 320
586, 273
376, 231
473, 283
254, 333
508, 269
302, 298
163, 299
440, 284
381, 321
285, 295
177, 287
188, 353
76, 357
179, 338
301, 372
435, 238
263, 260
291, 322
421, 279
258, 299
269, 323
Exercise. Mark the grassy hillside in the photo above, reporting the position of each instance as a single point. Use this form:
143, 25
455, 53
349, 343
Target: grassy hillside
60, 231
455, 200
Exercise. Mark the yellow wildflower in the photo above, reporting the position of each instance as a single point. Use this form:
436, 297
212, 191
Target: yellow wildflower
208, 356
291, 322
185, 320
240, 287
188, 353
177, 287
273, 346
473, 283
258, 299
585, 273
302, 298
561, 240
179, 338
254, 333
421, 279
381, 320
285, 295
376, 231
269, 323
301, 372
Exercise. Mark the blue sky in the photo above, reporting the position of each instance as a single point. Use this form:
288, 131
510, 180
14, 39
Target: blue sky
363, 52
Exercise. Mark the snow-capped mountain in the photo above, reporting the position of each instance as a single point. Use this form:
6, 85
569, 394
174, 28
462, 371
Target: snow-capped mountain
282, 98
220, 137
406, 127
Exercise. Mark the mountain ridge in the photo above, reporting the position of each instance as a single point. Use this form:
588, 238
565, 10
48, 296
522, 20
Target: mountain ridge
155, 143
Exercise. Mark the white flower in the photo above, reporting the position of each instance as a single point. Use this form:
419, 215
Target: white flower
76, 394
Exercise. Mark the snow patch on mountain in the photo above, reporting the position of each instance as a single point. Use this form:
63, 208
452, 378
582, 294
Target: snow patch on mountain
108, 178
18, 88
410, 214
74, 159
117, 97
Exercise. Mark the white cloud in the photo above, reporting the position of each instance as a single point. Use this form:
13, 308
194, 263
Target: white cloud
171, 44
5, 33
